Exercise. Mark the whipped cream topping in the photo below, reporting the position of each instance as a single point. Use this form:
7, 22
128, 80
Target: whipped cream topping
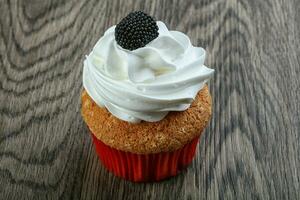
146, 83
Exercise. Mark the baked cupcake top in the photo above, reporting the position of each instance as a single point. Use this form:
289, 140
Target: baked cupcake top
139, 70
169, 134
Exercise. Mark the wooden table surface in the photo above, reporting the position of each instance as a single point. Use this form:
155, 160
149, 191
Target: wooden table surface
251, 149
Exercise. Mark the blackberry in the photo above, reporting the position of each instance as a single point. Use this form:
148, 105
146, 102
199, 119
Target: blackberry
136, 30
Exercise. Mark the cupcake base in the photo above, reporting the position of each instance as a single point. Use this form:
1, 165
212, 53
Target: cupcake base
145, 167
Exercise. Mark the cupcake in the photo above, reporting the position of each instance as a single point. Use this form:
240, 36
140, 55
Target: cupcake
145, 98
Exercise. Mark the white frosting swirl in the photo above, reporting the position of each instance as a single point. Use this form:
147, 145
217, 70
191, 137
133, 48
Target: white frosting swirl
146, 83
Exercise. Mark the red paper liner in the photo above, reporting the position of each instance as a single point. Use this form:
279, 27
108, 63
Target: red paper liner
145, 167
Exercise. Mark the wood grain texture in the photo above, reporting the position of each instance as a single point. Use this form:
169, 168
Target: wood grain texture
251, 149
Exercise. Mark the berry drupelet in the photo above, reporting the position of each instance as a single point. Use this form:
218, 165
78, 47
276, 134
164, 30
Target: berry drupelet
136, 30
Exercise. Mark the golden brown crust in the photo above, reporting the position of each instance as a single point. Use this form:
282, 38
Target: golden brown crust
169, 134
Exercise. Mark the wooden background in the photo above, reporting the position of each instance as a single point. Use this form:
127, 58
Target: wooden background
251, 149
